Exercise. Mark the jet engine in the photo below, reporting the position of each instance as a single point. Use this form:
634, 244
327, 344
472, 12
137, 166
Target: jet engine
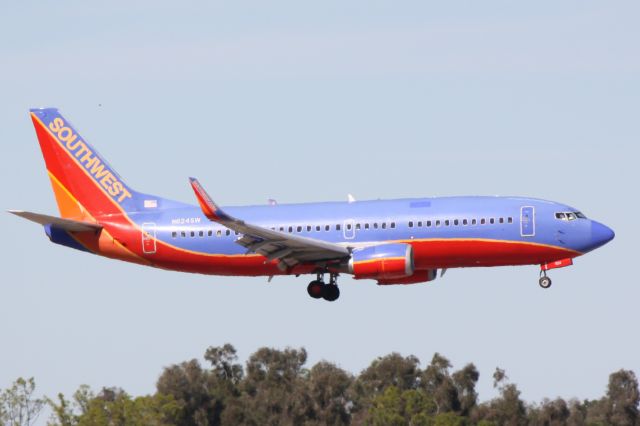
382, 262
388, 264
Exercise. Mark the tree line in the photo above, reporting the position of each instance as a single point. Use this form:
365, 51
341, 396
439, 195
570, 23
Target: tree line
275, 388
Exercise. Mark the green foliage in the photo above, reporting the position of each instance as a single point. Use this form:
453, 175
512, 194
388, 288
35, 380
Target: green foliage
508, 409
327, 387
623, 399
18, 404
112, 406
275, 388
394, 406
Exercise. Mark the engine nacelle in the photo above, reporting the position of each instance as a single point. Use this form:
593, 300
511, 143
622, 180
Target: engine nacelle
421, 276
383, 262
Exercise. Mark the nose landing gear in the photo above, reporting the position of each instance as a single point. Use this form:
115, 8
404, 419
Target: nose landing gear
545, 281
318, 289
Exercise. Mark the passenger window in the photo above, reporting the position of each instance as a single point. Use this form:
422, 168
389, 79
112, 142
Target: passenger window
201, 233
465, 222
183, 234
193, 234
428, 224
437, 224
509, 220
174, 234
410, 224
473, 221
419, 224
375, 225
366, 226
455, 222
299, 229
357, 226
446, 222
308, 228
290, 229
327, 227
384, 225
393, 225
318, 228
282, 229
492, 221
483, 221
501, 220
227, 232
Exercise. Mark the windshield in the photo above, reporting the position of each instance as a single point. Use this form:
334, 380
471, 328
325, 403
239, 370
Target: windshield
570, 215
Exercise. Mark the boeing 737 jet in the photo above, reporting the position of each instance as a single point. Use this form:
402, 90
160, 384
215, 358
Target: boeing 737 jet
404, 241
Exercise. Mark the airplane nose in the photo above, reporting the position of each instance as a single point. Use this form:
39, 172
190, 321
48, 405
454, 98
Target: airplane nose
601, 234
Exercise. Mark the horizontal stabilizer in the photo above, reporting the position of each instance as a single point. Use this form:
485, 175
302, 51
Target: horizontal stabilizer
66, 224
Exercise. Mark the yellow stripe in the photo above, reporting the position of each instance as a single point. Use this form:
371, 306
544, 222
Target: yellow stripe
488, 240
360, 262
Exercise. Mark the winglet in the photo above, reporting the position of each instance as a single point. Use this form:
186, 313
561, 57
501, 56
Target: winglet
209, 208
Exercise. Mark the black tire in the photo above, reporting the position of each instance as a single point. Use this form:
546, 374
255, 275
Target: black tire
315, 289
545, 282
330, 292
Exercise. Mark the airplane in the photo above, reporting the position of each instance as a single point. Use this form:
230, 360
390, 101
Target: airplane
401, 241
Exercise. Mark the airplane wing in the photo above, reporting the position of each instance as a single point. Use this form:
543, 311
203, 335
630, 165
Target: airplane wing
66, 224
289, 250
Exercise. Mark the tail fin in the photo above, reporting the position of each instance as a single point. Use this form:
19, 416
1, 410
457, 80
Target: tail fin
84, 184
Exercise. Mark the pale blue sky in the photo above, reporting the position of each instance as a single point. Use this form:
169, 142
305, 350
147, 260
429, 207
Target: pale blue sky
304, 102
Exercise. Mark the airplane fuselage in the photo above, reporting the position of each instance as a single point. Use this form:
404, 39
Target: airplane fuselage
449, 232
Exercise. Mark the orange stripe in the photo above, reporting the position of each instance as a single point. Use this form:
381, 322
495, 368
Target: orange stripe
63, 189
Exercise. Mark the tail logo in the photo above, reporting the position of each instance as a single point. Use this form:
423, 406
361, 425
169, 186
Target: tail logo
89, 160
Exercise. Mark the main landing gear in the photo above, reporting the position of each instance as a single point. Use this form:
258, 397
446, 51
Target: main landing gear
545, 281
318, 289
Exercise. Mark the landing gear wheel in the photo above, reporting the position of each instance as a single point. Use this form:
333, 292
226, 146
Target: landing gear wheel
330, 292
545, 282
315, 289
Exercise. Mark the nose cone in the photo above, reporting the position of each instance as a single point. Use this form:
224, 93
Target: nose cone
600, 234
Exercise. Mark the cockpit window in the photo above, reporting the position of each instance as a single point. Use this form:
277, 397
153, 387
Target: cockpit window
570, 215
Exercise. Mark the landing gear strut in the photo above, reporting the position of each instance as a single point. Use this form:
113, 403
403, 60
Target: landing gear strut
318, 289
545, 281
